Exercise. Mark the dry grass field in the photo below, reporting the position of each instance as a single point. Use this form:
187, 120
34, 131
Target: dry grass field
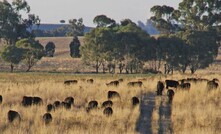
191, 112
195, 111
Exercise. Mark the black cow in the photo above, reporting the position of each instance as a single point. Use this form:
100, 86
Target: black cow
170, 95
135, 101
69, 100
57, 104
137, 83
113, 94
171, 83
69, 82
37, 101
26, 101
13, 115
108, 111
50, 107
107, 103
212, 84
185, 86
1, 99
160, 87
90, 81
93, 104
113, 83
66, 105
47, 118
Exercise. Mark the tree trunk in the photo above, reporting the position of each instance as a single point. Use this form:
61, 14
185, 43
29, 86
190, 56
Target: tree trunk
29, 67
159, 65
12, 67
97, 67
192, 70
121, 67
131, 69
183, 69
103, 65
165, 68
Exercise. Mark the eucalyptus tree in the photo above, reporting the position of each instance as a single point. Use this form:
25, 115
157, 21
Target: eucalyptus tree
33, 51
12, 26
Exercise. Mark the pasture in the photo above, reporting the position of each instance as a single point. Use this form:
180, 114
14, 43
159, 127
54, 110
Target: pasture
195, 111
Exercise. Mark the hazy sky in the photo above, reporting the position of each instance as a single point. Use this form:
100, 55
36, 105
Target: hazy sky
52, 11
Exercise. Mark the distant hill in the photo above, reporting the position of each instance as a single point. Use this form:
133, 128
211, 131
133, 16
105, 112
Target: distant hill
54, 30
60, 30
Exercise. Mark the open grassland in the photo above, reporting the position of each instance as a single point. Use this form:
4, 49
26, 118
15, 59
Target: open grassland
51, 88
194, 111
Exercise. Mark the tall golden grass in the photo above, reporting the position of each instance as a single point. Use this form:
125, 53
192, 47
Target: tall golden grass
197, 111
51, 88
194, 111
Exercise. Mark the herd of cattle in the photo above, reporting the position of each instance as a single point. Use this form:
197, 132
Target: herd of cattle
68, 102
183, 84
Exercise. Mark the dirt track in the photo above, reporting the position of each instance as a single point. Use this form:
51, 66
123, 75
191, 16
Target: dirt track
148, 104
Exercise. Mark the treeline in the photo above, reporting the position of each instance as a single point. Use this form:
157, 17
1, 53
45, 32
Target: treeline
190, 38
126, 47
55, 30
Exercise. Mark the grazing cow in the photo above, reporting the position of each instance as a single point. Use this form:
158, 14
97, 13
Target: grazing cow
185, 86
66, 105
69, 100
170, 94
27, 101
37, 101
160, 87
107, 103
113, 94
90, 81
171, 83
108, 111
47, 118
137, 83
212, 84
1, 99
13, 115
215, 79
93, 104
57, 104
50, 108
69, 82
135, 101
113, 83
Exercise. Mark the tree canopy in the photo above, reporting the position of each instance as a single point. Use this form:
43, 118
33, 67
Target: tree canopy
32, 51
12, 26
